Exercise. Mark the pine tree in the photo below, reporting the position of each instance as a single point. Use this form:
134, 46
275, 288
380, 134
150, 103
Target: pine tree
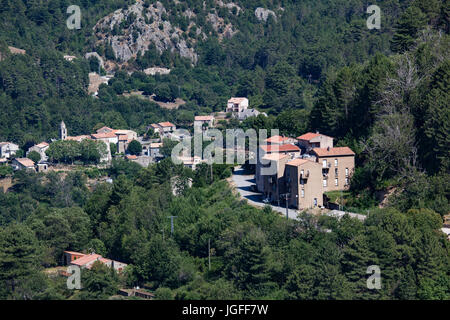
410, 23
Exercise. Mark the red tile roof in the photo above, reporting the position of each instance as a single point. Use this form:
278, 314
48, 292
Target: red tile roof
308, 136
166, 124
338, 151
280, 148
104, 135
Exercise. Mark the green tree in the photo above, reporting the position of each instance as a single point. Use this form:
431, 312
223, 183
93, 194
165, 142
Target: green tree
19, 255
408, 26
134, 147
35, 156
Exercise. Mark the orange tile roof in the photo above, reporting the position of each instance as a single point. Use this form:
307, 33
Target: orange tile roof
280, 148
166, 124
103, 135
308, 136
298, 162
276, 139
131, 157
275, 156
42, 145
86, 259
338, 151
123, 137
203, 118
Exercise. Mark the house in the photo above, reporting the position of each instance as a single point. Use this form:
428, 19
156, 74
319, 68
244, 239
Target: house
130, 134
310, 140
237, 105
40, 148
8, 149
109, 137
202, 121
279, 140
273, 184
303, 183
288, 149
122, 143
163, 127
87, 260
22, 164
247, 113
154, 150
191, 162
337, 164
104, 129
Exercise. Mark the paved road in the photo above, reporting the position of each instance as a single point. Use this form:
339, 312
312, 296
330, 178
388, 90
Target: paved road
244, 184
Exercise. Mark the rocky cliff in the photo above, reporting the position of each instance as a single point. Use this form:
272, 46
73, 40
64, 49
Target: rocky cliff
130, 31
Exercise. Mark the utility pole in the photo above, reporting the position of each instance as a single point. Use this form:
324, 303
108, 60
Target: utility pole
286, 197
171, 223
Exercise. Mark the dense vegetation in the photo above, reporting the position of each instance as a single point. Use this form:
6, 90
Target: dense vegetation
255, 253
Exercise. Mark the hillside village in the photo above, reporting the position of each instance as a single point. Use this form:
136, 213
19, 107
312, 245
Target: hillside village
224, 150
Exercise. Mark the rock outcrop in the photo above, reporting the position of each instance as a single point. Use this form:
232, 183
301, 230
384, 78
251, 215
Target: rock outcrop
130, 32
263, 14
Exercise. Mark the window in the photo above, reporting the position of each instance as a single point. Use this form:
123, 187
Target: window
303, 193
336, 182
324, 182
335, 162
302, 172
324, 163
336, 171
346, 181
346, 172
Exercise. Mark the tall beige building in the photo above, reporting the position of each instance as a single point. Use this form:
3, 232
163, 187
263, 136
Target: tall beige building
303, 183
338, 165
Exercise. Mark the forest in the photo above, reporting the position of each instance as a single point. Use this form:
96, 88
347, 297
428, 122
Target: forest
255, 254
384, 93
